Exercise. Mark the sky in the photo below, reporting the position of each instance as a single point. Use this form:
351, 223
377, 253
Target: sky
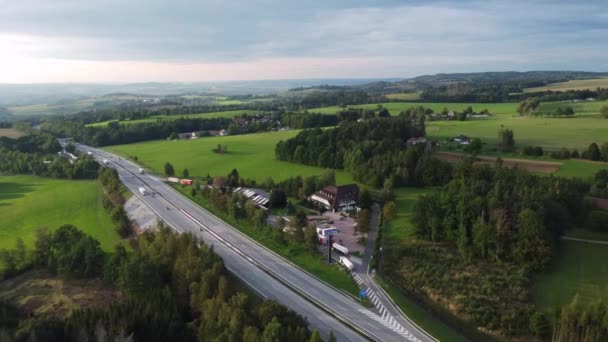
117, 41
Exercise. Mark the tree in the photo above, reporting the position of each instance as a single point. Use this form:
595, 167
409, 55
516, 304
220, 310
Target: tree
540, 325
506, 141
365, 199
278, 199
593, 152
70, 147
390, 211
272, 332
186, 173
169, 171
233, 178
474, 147
332, 337
315, 337
604, 111
531, 248
363, 221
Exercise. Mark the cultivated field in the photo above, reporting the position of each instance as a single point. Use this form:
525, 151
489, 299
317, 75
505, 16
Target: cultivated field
579, 269
572, 85
404, 96
251, 154
10, 133
526, 164
52, 109
28, 203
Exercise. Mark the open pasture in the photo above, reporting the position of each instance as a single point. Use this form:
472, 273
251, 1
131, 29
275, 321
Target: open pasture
251, 154
28, 203
572, 85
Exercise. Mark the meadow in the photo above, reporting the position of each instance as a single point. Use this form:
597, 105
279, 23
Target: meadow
28, 203
572, 85
251, 154
580, 268
156, 118
53, 109
551, 133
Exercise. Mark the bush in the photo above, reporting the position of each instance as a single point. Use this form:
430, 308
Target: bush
536, 151
597, 220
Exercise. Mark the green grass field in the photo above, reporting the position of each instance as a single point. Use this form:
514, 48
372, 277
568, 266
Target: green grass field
580, 268
584, 108
572, 85
550, 133
224, 114
405, 96
396, 107
401, 227
52, 109
251, 154
28, 203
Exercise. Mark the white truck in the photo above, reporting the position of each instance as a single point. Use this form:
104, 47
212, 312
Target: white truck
105, 162
347, 263
340, 248
141, 171
142, 191
90, 153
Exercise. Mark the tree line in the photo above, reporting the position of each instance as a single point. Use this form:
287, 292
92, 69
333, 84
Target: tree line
36, 154
113, 201
174, 289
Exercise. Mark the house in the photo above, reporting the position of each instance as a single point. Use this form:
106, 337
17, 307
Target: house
411, 142
462, 140
192, 135
337, 198
220, 133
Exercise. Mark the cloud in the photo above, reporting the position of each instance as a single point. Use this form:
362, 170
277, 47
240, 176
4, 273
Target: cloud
412, 37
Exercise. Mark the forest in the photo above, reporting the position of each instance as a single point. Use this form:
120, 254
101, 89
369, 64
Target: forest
36, 154
483, 236
174, 289
373, 150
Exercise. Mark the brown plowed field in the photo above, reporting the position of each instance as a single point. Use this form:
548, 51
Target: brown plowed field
530, 165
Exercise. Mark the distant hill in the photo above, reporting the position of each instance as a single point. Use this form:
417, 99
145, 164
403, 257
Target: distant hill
4, 113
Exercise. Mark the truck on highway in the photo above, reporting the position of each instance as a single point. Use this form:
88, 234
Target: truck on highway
105, 162
347, 263
141, 171
90, 153
142, 191
340, 248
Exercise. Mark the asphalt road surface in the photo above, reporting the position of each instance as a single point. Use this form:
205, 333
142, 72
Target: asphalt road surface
325, 307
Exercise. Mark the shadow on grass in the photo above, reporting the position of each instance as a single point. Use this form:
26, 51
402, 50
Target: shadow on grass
10, 191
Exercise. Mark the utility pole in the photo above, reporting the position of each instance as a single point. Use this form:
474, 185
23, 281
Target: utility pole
329, 249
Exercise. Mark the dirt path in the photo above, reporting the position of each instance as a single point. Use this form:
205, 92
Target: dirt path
598, 242
529, 165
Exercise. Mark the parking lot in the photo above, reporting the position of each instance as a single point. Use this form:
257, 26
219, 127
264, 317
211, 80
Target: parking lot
346, 235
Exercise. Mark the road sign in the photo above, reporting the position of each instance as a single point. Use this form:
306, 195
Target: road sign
362, 294
329, 231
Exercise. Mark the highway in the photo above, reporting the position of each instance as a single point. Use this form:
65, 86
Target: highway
271, 276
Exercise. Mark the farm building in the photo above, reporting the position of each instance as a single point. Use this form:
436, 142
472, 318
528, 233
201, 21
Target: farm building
257, 196
337, 198
462, 139
220, 133
192, 135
